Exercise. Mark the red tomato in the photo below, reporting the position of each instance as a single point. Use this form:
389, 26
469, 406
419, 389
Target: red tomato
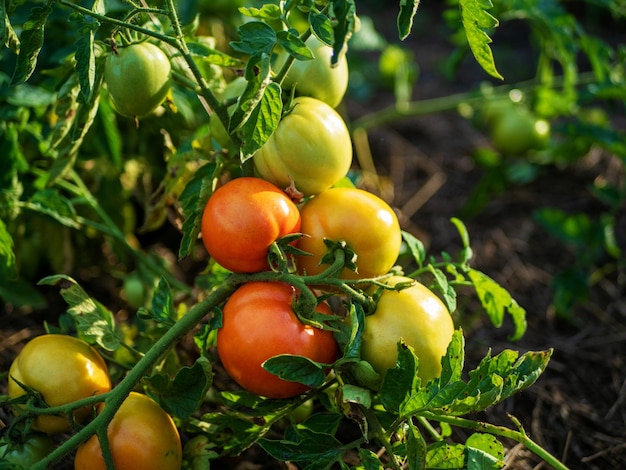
242, 219
259, 323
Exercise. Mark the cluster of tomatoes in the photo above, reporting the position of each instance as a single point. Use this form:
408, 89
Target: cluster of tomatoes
63, 369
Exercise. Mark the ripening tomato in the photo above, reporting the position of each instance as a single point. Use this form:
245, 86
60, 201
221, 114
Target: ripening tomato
138, 78
62, 369
316, 78
364, 221
142, 437
311, 147
242, 219
259, 323
414, 314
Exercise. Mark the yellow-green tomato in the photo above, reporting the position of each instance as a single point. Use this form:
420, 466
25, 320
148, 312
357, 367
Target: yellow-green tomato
62, 369
517, 131
417, 316
316, 77
138, 78
311, 147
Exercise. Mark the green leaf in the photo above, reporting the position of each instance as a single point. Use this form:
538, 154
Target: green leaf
183, 395
213, 56
415, 447
319, 450
262, 122
416, 247
50, 202
162, 307
408, 8
86, 58
21, 294
497, 302
296, 369
442, 455
291, 42
446, 289
322, 28
192, 200
94, 322
31, 41
268, 11
475, 20
256, 37
7, 256
369, 460
345, 16
400, 382
484, 451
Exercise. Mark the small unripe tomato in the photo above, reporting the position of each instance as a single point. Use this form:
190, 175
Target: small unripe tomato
259, 323
25, 454
414, 314
242, 219
142, 437
361, 219
517, 131
138, 78
316, 78
62, 369
311, 148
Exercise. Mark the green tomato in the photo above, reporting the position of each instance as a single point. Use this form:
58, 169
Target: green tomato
316, 77
26, 454
311, 147
138, 78
417, 316
517, 131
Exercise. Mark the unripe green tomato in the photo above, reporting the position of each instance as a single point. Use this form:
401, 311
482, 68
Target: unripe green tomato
311, 147
316, 77
138, 78
233, 89
517, 131
414, 314
26, 454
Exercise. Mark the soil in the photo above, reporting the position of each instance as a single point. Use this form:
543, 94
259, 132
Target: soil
425, 168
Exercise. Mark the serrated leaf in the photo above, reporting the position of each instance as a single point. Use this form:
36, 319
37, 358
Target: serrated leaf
416, 247
475, 20
268, 11
50, 202
291, 42
94, 322
322, 28
31, 41
442, 455
497, 302
415, 447
255, 38
321, 449
400, 382
182, 396
408, 8
262, 122
162, 305
296, 369
86, 58
446, 289
484, 451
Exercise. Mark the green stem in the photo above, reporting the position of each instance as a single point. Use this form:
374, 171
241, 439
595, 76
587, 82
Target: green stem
517, 436
379, 433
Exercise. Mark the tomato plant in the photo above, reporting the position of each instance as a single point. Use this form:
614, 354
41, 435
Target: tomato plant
141, 436
415, 315
26, 453
138, 78
264, 214
311, 148
259, 323
516, 131
362, 220
316, 77
62, 369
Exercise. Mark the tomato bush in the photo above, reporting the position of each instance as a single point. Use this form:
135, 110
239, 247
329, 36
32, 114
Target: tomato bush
362, 220
316, 77
142, 436
62, 369
259, 323
264, 214
28, 452
311, 148
138, 78
415, 315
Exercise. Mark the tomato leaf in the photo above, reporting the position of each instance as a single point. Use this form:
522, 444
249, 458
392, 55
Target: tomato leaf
291, 42
416, 447
268, 12
162, 307
31, 41
50, 202
484, 451
183, 395
416, 247
400, 382
94, 322
475, 20
443, 455
408, 8
8, 269
262, 121
345, 14
314, 450
256, 37
322, 28
497, 302
85, 57
296, 369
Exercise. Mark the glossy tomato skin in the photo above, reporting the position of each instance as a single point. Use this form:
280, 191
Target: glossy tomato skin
311, 147
63, 369
138, 78
142, 437
414, 314
242, 219
259, 323
26, 454
364, 221
316, 78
